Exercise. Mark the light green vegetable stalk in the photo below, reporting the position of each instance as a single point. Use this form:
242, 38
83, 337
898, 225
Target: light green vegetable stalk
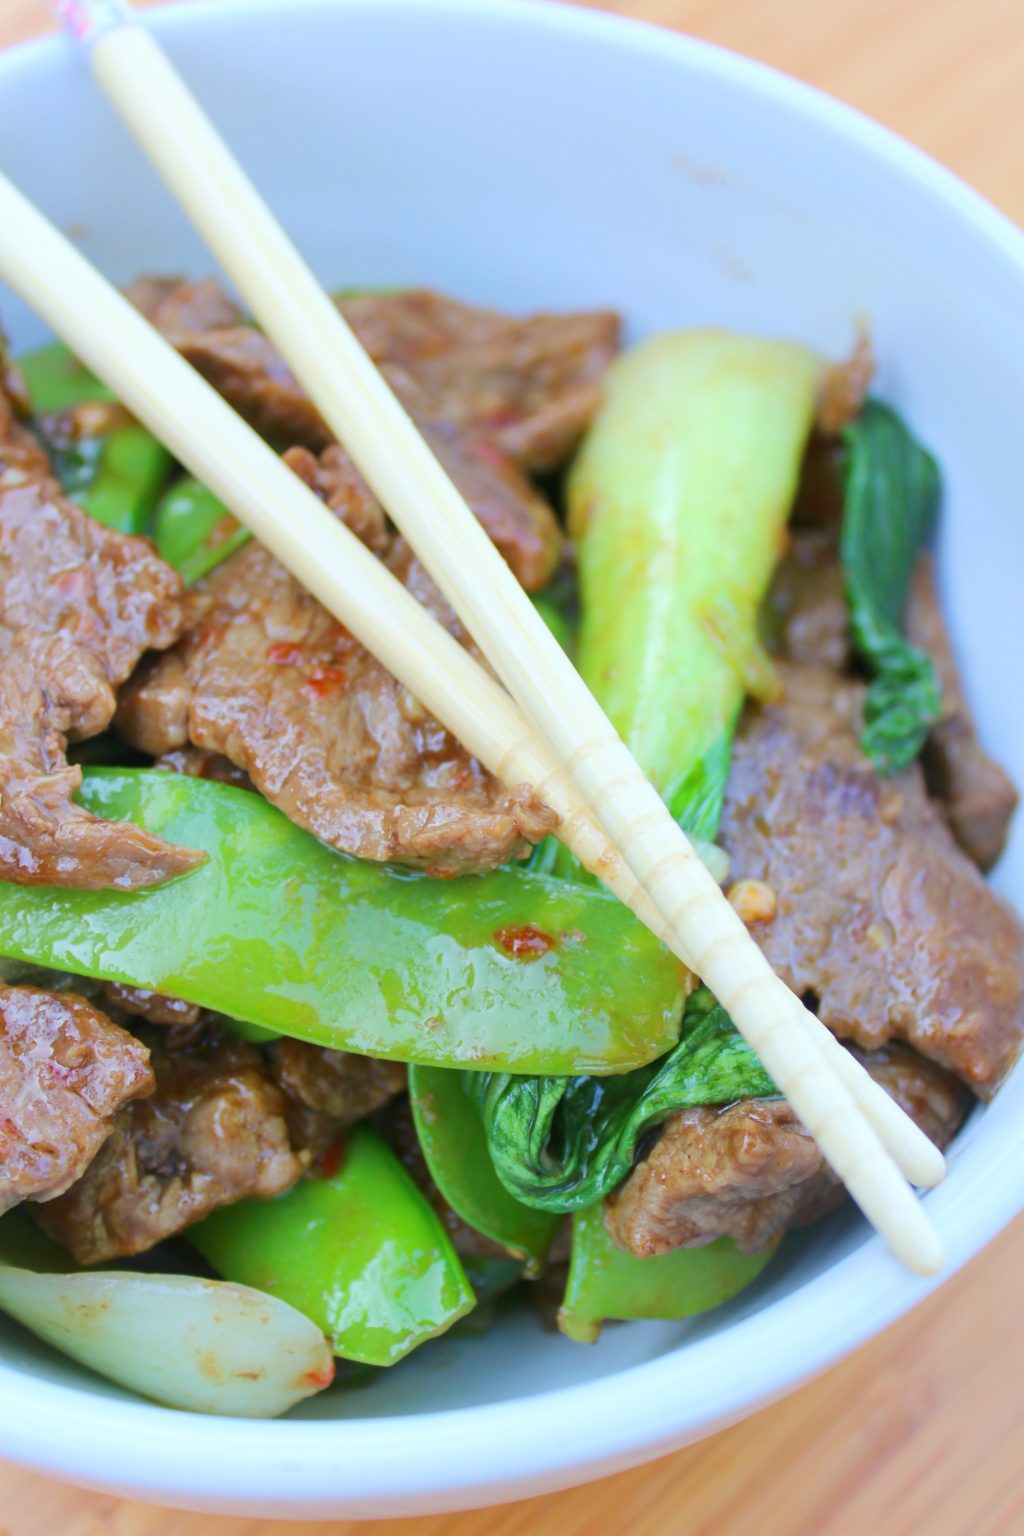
891, 498
679, 501
359, 1250
199, 1345
606, 1283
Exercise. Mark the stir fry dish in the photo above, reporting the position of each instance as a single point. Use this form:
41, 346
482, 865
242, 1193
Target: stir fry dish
314, 1040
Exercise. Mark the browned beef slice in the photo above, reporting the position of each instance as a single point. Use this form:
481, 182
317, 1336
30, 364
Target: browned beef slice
750, 1171
79, 604
154, 1007
806, 614
495, 396
65, 1071
979, 797
179, 307
270, 680
245, 367
531, 384
330, 1090
198, 764
214, 1132
880, 914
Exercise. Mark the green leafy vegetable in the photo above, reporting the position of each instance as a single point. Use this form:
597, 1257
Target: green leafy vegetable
891, 498
605, 1283
454, 1145
276, 930
360, 1251
194, 1344
562, 1143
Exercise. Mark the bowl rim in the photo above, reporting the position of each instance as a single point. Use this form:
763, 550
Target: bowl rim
558, 1436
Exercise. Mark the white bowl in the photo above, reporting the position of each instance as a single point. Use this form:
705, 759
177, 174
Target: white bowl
533, 155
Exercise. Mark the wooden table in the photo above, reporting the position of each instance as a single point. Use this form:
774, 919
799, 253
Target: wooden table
920, 1432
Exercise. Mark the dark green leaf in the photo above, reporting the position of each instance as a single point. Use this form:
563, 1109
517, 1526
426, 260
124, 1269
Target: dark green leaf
892, 493
561, 1143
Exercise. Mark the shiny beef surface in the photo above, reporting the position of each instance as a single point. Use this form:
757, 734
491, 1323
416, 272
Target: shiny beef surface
267, 678
881, 917
750, 1171
79, 605
65, 1071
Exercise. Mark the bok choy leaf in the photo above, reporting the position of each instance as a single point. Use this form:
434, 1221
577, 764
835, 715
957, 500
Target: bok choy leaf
891, 498
561, 1144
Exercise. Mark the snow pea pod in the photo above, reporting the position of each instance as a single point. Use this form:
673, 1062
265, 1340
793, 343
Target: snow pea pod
193, 529
277, 930
360, 1251
604, 1282
454, 1143
116, 476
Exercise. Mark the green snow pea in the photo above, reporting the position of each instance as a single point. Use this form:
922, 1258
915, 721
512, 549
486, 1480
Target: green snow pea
193, 529
604, 1282
277, 930
359, 1251
117, 476
454, 1143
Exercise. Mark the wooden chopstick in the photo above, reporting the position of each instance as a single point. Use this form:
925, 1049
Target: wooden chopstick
354, 399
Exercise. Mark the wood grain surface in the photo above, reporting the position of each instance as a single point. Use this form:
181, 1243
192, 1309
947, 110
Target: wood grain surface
921, 1431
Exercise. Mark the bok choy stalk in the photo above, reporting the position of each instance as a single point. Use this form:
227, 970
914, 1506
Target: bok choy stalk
117, 475
359, 1250
279, 931
679, 501
891, 498
199, 1345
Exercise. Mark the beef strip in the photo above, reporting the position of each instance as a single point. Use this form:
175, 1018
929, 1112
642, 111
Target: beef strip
214, 1132
181, 308
271, 681
750, 1171
198, 764
327, 1091
496, 397
806, 617
79, 604
153, 1007
978, 796
531, 384
65, 1071
880, 915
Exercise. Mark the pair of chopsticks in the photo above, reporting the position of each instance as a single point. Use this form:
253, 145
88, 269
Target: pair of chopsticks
546, 730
